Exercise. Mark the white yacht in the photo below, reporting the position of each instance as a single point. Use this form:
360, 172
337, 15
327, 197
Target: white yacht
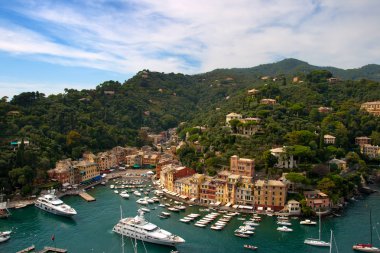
143, 230
52, 204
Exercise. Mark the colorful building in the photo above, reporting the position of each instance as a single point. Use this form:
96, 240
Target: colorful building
269, 195
242, 166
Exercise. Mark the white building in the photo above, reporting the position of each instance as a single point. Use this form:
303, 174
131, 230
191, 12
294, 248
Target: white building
284, 160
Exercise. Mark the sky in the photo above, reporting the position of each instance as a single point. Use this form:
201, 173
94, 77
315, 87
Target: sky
51, 45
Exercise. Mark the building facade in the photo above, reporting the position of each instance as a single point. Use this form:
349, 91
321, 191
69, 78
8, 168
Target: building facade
269, 195
242, 166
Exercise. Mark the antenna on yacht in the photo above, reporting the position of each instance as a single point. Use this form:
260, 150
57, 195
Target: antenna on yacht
122, 236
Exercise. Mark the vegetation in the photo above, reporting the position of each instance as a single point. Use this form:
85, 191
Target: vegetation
65, 125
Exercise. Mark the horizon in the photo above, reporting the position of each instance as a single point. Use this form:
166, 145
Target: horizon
55, 45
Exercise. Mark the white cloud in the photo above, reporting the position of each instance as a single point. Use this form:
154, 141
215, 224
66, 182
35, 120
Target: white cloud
197, 36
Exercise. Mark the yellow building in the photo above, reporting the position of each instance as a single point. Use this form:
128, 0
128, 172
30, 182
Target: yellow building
87, 171
195, 184
244, 191
232, 183
221, 191
269, 195
371, 107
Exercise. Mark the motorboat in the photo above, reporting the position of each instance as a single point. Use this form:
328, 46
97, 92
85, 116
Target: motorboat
140, 229
145, 210
201, 225
124, 194
247, 246
284, 223
173, 209
4, 238
215, 227
247, 232
142, 202
308, 222
137, 193
166, 213
52, 204
241, 235
246, 227
251, 223
184, 220
284, 229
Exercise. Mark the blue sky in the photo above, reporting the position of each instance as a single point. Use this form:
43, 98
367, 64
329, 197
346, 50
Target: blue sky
55, 44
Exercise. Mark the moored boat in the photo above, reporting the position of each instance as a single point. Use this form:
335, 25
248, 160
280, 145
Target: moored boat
247, 246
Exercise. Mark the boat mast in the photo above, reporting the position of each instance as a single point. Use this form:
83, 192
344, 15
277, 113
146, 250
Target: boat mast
122, 236
370, 224
319, 231
331, 237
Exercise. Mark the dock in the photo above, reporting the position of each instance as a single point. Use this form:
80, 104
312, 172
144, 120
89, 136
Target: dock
53, 250
86, 196
26, 250
45, 250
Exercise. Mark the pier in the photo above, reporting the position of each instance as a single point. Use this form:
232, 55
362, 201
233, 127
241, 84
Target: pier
45, 250
86, 196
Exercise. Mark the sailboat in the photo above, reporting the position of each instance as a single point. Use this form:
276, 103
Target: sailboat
363, 247
317, 242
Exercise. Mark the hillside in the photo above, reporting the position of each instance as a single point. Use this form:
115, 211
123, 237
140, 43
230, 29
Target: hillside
293, 67
65, 125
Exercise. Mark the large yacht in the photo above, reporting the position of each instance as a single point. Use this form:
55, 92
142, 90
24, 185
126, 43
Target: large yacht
143, 230
52, 204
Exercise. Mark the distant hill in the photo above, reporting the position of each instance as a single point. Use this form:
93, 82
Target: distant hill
293, 67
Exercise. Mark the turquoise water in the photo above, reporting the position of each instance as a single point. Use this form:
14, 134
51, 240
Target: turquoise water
91, 229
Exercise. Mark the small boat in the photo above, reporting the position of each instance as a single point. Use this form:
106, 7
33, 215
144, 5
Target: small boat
214, 227
142, 202
166, 213
241, 235
243, 231
124, 195
116, 191
21, 205
112, 186
6, 233
150, 201
146, 210
137, 193
173, 209
251, 223
201, 225
284, 223
247, 246
194, 215
4, 238
308, 222
163, 216
241, 218
184, 220
161, 205
284, 229
247, 228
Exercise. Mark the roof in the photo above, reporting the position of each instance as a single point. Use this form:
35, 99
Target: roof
328, 136
234, 176
269, 183
363, 138
277, 150
234, 114
292, 201
224, 173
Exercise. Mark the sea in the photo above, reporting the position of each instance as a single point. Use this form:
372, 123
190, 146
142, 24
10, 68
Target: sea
91, 229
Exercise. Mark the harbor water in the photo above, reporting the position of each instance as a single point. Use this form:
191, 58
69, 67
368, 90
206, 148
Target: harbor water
91, 229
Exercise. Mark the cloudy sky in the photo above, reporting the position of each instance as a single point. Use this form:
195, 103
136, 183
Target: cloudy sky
52, 45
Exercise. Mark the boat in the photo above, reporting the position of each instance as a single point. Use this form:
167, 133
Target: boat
4, 238
20, 205
241, 235
161, 205
146, 210
284, 229
116, 191
166, 213
185, 220
247, 246
308, 222
124, 195
251, 223
163, 216
112, 186
173, 209
284, 223
6, 233
52, 204
317, 241
367, 247
246, 227
142, 202
137, 193
140, 229
244, 231
201, 225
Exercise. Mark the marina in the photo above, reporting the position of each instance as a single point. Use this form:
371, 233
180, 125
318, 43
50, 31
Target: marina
91, 229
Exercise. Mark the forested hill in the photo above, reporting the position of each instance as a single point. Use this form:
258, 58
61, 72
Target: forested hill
65, 125
296, 67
